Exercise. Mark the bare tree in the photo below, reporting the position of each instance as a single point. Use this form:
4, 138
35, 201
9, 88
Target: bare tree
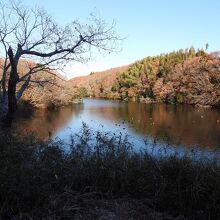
33, 34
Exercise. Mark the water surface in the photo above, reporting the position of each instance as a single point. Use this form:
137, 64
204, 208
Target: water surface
182, 125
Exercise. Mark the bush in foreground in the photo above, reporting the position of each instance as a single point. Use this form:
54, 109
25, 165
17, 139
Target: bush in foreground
100, 173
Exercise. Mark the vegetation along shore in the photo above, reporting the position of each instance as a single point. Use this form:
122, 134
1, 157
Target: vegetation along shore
100, 176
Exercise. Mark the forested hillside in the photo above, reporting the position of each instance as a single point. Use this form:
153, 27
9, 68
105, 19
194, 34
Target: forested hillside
97, 84
184, 76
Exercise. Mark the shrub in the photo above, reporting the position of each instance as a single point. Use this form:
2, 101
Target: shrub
35, 174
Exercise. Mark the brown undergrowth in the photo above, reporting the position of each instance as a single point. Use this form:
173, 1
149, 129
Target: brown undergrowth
99, 176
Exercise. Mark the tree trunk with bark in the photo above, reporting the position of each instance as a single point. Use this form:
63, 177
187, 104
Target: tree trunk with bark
12, 100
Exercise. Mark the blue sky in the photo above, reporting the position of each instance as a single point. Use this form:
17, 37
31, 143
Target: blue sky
150, 26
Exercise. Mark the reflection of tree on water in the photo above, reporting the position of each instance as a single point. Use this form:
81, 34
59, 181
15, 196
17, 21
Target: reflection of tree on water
44, 123
180, 124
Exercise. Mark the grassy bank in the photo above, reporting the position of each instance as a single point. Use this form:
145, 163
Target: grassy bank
99, 175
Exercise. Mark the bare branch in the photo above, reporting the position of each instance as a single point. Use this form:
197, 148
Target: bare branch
33, 34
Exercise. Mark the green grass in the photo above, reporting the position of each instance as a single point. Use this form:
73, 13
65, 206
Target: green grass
34, 174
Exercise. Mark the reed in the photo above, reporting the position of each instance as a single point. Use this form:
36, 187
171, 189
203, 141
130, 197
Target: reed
101, 171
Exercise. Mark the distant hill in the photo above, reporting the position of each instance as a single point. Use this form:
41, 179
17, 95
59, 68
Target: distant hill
186, 76
98, 84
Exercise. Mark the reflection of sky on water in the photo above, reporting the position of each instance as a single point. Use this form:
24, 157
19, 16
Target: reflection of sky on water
145, 143
93, 114
96, 124
183, 127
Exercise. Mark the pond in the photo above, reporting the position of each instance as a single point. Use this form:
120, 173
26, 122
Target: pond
182, 126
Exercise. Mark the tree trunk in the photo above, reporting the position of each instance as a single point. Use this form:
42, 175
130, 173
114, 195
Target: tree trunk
3, 92
3, 105
12, 101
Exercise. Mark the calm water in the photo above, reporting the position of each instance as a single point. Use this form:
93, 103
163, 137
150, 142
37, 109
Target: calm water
183, 126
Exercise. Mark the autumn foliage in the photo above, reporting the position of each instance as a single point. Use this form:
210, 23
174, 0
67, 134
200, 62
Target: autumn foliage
98, 84
186, 76
46, 89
